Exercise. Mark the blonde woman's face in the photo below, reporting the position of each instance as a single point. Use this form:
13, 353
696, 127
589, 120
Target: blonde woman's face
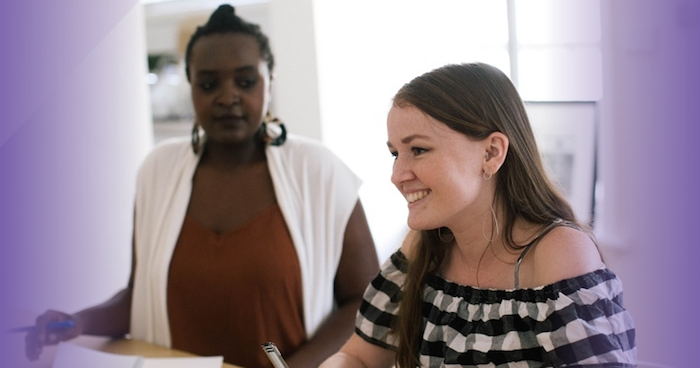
438, 170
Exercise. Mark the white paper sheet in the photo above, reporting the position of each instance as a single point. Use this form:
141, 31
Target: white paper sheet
75, 356
184, 362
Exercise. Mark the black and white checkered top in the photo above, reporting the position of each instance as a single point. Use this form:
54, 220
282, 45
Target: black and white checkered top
574, 322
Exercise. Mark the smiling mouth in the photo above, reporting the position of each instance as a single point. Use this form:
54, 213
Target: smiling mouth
412, 197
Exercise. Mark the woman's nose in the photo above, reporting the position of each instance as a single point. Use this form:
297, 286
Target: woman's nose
230, 95
401, 172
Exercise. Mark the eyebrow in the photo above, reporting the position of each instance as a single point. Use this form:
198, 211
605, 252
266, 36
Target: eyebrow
410, 138
246, 68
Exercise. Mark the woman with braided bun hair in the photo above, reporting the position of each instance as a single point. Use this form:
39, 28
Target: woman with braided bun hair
243, 233
497, 271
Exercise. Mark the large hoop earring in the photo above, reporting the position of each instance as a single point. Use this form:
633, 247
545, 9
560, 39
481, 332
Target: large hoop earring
195, 138
280, 137
451, 236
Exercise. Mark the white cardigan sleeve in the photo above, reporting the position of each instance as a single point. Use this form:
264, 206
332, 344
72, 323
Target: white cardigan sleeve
164, 186
317, 193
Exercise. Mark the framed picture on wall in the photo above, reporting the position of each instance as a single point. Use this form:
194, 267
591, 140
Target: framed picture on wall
566, 136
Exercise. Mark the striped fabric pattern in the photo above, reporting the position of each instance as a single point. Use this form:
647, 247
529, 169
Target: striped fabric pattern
574, 322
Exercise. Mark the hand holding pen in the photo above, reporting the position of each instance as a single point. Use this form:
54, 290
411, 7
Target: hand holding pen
50, 328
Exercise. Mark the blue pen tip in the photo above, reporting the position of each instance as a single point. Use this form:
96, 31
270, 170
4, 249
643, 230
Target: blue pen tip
52, 326
61, 324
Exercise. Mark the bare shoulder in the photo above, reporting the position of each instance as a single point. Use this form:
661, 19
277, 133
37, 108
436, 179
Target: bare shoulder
563, 253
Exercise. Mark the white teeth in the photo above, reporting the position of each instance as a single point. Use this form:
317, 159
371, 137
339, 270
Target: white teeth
412, 197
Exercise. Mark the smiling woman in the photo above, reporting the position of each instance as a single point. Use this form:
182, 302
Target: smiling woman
497, 270
431, 160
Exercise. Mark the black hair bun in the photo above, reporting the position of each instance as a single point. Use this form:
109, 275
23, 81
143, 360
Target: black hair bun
224, 14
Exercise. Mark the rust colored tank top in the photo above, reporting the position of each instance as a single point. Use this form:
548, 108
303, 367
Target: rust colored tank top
229, 293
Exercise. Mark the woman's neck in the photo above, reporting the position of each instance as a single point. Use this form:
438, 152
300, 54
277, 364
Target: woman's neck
473, 232
233, 155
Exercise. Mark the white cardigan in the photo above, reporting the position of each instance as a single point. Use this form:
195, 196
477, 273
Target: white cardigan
316, 193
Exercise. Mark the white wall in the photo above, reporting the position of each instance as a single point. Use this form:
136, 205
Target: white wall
295, 85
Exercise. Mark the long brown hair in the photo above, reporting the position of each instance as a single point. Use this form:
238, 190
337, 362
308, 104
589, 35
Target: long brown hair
475, 99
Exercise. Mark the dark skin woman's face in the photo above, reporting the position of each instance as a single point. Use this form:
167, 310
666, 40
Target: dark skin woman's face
230, 85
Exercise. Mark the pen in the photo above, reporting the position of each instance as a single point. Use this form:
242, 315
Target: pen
51, 326
274, 355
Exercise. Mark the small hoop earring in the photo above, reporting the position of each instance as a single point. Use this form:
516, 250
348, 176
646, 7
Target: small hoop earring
487, 175
195, 138
452, 236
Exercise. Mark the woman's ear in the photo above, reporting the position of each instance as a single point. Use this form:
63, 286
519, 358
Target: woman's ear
496, 146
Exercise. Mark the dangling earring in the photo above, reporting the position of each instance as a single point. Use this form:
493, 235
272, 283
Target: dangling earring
282, 135
487, 174
452, 236
494, 225
280, 138
195, 138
